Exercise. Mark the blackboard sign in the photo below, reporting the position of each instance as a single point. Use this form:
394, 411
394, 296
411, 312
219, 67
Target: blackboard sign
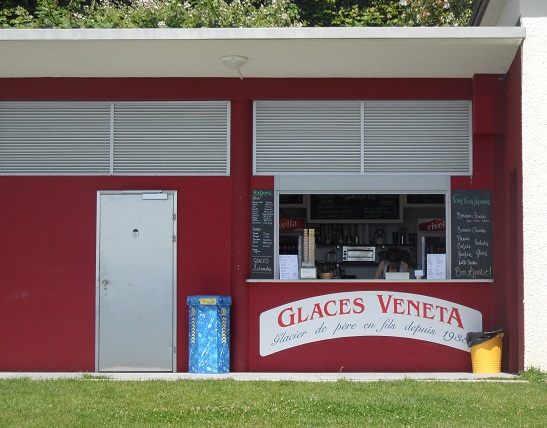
290, 199
342, 208
425, 199
262, 232
471, 228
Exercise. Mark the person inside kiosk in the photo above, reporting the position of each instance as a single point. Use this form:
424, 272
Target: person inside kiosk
392, 263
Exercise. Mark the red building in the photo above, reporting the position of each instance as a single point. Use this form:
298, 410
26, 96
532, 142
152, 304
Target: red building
130, 157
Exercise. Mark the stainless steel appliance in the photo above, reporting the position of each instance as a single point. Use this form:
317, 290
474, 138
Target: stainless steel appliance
291, 242
431, 239
358, 254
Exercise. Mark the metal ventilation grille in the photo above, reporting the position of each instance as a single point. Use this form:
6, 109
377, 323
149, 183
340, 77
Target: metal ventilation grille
171, 138
307, 137
425, 137
54, 138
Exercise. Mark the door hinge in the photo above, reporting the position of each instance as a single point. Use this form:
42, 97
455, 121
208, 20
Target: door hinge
174, 239
174, 216
174, 349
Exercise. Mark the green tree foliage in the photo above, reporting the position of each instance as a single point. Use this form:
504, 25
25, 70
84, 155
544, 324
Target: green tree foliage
232, 13
385, 13
440, 13
151, 14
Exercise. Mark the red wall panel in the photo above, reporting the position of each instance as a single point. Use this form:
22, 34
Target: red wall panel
509, 194
111, 89
48, 262
364, 354
48, 224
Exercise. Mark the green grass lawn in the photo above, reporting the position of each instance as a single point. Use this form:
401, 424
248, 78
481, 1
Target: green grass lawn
95, 402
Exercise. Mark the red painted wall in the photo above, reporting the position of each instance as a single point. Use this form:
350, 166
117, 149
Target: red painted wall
497, 154
364, 354
48, 235
109, 89
509, 192
48, 262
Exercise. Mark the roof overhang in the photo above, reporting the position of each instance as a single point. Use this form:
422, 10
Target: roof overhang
433, 52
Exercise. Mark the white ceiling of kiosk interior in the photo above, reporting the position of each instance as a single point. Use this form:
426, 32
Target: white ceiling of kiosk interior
271, 52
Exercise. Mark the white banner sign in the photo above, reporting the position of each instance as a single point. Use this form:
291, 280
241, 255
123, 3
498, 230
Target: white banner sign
367, 313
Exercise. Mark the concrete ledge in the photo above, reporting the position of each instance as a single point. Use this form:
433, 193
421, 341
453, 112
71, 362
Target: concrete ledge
305, 377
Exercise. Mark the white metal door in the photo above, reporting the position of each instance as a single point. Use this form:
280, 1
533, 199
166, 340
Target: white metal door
136, 282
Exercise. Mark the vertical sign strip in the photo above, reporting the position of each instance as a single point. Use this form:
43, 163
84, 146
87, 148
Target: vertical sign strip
262, 232
471, 227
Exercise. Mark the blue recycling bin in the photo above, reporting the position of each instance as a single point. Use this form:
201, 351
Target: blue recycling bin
209, 334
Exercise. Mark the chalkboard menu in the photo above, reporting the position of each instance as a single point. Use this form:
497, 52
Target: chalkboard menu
262, 232
425, 199
290, 199
471, 228
342, 208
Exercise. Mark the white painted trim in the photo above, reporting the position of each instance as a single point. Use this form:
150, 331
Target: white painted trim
362, 184
285, 33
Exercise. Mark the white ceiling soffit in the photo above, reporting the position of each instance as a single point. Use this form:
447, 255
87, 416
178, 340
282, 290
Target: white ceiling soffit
272, 52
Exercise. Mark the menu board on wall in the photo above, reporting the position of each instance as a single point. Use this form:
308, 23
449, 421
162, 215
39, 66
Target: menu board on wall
471, 228
291, 200
341, 208
262, 232
425, 200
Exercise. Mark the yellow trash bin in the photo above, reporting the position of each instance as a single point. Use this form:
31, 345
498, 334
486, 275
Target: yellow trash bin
486, 351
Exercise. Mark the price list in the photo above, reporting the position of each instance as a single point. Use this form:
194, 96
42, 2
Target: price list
357, 208
262, 231
471, 228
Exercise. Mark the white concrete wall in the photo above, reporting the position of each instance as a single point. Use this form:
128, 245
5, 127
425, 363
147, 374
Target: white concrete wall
534, 154
501, 13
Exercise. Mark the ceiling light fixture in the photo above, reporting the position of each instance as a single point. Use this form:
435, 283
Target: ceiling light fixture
234, 62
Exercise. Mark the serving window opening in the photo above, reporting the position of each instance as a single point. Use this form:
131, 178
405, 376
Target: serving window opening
351, 234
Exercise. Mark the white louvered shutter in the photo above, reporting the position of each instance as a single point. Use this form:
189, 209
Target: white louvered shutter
307, 137
423, 137
171, 138
390, 137
54, 138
